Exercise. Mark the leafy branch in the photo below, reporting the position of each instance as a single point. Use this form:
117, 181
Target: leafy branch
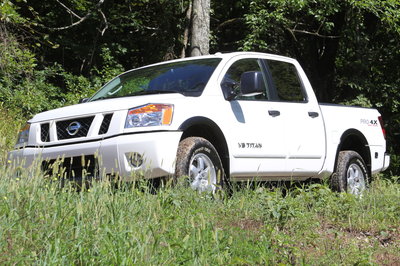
82, 19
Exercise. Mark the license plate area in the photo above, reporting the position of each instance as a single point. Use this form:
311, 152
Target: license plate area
73, 168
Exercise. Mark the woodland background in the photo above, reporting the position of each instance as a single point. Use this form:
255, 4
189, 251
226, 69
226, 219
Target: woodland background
53, 53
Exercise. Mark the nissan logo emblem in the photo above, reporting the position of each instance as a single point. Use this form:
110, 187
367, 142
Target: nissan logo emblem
73, 128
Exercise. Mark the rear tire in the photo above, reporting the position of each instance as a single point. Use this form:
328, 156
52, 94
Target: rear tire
199, 160
351, 174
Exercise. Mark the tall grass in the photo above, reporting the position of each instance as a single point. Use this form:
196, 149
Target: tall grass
45, 224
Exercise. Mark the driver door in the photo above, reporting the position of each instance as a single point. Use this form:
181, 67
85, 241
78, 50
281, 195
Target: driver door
256, 139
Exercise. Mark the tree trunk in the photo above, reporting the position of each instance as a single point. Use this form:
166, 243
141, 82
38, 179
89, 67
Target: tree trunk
200, 33
187, 30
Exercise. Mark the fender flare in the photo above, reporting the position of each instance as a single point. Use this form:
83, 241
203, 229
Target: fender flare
212, 133
362, 147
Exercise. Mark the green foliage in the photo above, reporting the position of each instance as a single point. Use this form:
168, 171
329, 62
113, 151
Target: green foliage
10, 124
29, 90
273, 23
16, 62
136, 32
110, 67
360, 100
50, 88
9, 14
387, 11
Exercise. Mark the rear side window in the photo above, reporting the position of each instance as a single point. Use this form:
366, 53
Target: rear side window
286, 81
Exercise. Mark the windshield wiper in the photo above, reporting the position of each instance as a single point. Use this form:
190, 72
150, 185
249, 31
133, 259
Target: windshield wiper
105, 98
148, 92
98, 99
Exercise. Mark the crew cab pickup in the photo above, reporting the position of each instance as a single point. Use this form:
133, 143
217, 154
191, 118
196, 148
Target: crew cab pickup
216, 118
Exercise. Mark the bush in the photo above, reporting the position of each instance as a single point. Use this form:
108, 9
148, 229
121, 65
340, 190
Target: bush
10, 123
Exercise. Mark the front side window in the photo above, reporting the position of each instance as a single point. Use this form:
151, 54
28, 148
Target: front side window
286, 81
233, 76
187, 77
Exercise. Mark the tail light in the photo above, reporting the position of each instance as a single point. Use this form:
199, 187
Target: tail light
382, 126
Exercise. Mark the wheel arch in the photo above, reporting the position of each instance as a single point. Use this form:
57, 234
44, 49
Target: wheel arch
204, 127
354, 140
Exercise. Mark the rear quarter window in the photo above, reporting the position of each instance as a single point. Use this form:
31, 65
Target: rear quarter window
286, 81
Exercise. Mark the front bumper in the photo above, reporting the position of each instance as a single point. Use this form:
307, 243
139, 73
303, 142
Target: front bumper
113, 154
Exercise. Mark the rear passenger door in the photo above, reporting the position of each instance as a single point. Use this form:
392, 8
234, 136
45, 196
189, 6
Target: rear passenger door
303, 128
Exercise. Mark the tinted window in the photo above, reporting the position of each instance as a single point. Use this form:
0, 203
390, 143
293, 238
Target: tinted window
286, 81
186, 77
234, 73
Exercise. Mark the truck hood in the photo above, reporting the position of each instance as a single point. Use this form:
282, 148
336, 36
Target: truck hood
104, 106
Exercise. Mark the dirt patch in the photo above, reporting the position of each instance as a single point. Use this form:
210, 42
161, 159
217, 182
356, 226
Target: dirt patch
248, 224
387, 259
384, 245
245, 224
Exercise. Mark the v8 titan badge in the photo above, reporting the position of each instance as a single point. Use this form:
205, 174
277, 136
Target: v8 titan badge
249, 145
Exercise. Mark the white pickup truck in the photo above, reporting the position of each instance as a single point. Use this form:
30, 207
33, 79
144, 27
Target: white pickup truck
235, 116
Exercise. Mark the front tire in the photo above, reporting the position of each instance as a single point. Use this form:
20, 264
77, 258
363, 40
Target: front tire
351, 174
199, 160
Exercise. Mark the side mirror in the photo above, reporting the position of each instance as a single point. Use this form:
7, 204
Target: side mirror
228, 89
84, 100
252, 83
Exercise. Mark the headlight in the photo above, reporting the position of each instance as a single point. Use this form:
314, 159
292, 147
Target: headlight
149, 115
23, 135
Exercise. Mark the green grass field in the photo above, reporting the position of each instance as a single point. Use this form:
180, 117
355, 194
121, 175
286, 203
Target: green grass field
44, 224
307, 224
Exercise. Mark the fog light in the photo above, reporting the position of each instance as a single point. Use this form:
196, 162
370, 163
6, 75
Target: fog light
135, 159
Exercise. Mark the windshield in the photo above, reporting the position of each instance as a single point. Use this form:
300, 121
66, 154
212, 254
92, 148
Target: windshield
187, 77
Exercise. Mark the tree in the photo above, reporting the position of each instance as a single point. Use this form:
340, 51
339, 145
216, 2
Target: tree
200, 33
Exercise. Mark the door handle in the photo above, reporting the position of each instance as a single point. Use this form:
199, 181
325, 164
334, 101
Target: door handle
313, 114
274, 113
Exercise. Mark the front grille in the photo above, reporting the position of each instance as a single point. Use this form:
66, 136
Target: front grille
45, 132
72, 167
105, 124
73, 128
